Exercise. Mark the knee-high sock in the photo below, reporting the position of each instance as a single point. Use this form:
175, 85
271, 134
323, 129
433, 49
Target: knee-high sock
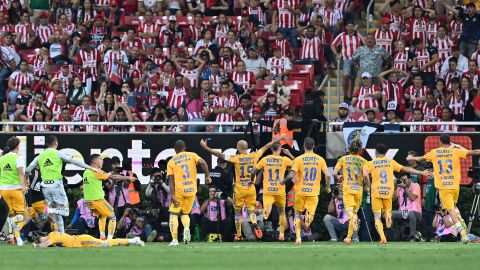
379, 226
351, 220
238, 224
112, 225
298, 227
459, 216
253, 218
102, 222
174, 226
19, 221
59, 221
185, 221
53, 225
283, 222
119, 242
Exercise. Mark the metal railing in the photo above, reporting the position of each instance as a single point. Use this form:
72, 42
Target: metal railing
7, 125
368, 15
416, 124
326, 80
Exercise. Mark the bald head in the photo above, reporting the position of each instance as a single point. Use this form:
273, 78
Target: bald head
242, 145
180, 146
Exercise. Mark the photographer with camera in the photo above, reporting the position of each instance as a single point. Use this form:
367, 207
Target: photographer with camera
337, 219
443, 224
222, 179
409, 196
131, 224
118, 195
214, 213
159, 194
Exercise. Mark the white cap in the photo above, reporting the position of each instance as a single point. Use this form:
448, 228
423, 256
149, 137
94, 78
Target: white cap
343, 105
172, 18
181, 44
366, 74
391, 106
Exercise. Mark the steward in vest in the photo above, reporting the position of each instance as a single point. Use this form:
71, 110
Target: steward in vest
13, 186
95, 196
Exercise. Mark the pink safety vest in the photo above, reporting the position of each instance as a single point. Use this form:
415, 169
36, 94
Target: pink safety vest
341, 214
212, 210
405, 204
291, 222
85, 213
196, 207
442, 230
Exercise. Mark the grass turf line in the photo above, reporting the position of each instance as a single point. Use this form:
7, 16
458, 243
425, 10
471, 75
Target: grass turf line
249, 256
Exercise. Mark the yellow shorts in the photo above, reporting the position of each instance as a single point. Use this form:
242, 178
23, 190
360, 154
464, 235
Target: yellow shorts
379, 204
185, 205
448, 197
85, 240
101, 208
280, 200
308, 203
15, 201
36, 208
245, 197
352, 201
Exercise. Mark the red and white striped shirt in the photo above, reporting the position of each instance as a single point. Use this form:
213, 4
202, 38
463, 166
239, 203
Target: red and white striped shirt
349, 43
68, 29
81, 113
228, 102
393, 91
448, 76
338, 120
57, 110
385, 39
221, 31
475, 78
284, 45
39, 65
102, 3
278, 66
50, 98
416, 94
66, 128
432, 29
456, 28
191, 75
149, 28
258, 13
431, 114
476, 57
215, 80
20, 79
195, 32
400, 61
418, 28
421, 3
88, 60
364, 102
341, 5
446, 127
396, 22
458, 101
44, 32
176, 97
444, 47
311, 48
109, 58
66, 78
5, 28
31, 108
423, 57
136, 42
22, 29
331, 17
244, 80
285, 18
228, 65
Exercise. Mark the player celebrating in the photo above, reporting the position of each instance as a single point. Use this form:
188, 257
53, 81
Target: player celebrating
13, 185
55, 239
182, 177
447, 174
308, 170
93, 195
244, 191
274, 167
50, 162
382, 186
352, 177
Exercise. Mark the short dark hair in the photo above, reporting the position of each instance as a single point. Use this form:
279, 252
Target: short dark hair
246, 96
12, 143
445, 139
94, 157
407, 175
412, 153
276, 145
309, 143
355, 146
116, 38
453, 59
381, 148
180, 146
51, 140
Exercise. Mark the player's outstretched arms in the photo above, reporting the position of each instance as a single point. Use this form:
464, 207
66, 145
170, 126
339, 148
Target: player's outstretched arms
473, 152
417, 159
409, 170
203, 144
31, 166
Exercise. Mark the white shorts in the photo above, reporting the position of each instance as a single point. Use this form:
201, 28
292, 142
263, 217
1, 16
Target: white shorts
54, 194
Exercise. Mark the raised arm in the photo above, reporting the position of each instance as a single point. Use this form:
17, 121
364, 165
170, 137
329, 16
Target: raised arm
203, 144
450, 8
415, 171
68, 159
417, 159
31, 166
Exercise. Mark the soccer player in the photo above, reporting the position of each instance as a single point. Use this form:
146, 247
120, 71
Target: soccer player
447, 174
307, 170
182, 177
13, 186
50, 162
351, 167
382, 186
55, 239
94, 195
244, 191
274, 167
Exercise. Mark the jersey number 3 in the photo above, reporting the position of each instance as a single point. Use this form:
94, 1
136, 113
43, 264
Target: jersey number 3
186, 173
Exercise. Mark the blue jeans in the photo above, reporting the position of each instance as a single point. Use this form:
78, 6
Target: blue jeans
193, 128
4, 73
290, 33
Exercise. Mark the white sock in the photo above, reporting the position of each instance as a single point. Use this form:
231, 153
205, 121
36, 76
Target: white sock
110, 237
131, 241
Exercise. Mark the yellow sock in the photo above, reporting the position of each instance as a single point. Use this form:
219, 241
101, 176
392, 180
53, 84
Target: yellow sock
102, 221
298, 227
118, 242
185, 221
16, 233
238, 226
283, 222
350, 224
53, 225
112, 225
379, 226
253, 218
174, 226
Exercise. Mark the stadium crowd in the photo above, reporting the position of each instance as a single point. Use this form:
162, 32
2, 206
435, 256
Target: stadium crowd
226, 61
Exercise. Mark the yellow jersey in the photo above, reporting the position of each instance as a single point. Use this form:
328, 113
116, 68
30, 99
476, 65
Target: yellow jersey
63, 240
308, 167
352, 171
183, 168
274, 168
446, 166
383, 180
244, 165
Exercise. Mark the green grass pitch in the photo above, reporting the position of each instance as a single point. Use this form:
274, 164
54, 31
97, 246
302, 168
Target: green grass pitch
247, 256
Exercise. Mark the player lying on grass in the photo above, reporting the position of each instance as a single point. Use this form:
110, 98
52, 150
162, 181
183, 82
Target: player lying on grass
56, 239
